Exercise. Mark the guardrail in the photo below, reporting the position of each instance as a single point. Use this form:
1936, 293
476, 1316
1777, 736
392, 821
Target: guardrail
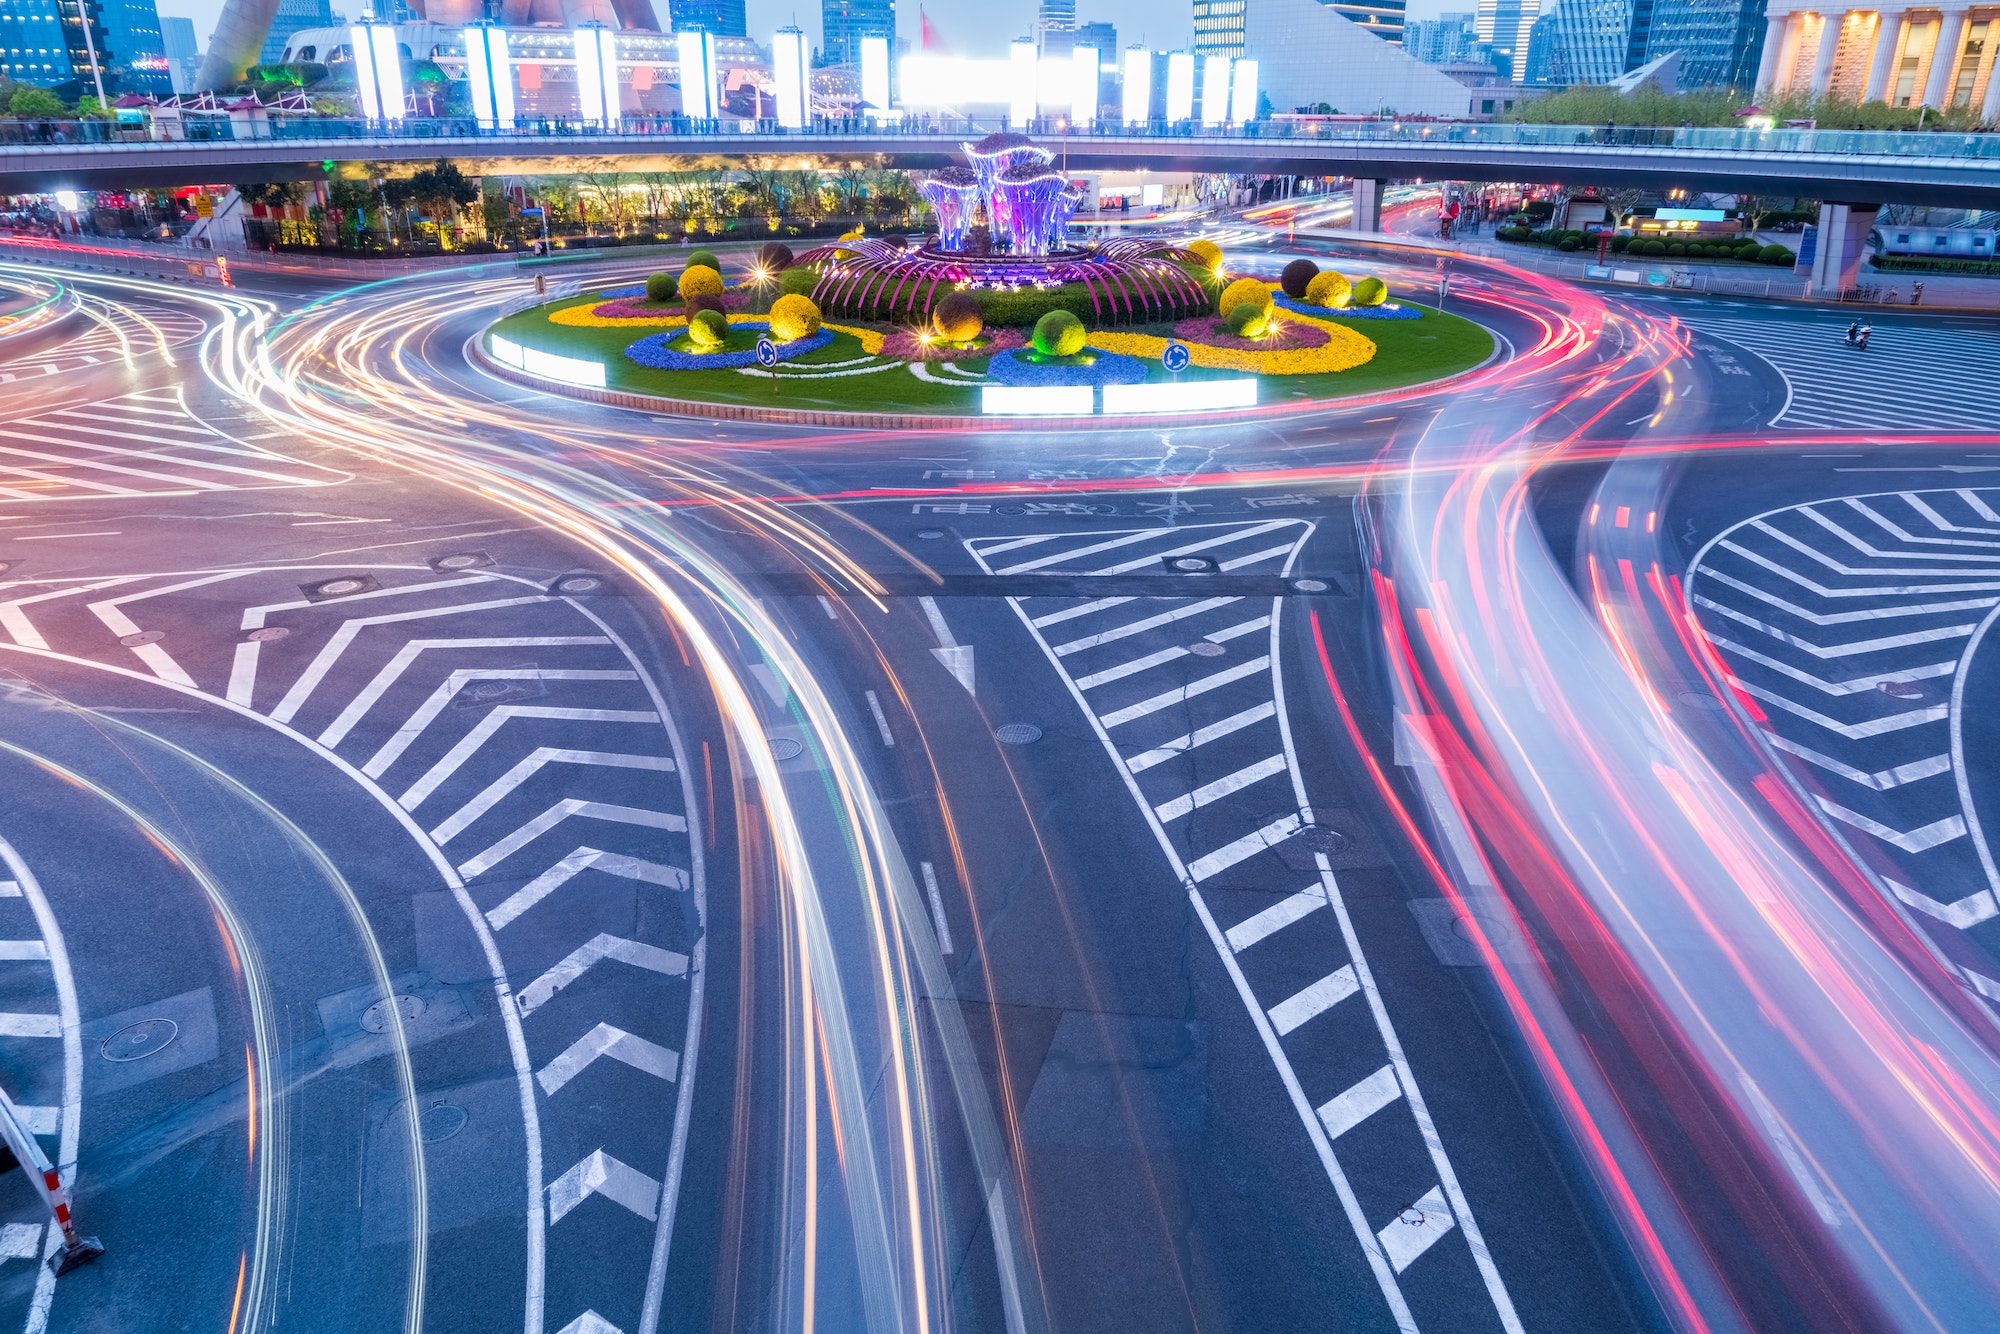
28, 137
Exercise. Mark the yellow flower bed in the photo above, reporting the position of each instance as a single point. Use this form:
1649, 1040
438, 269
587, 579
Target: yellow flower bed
1343, 351
586, 317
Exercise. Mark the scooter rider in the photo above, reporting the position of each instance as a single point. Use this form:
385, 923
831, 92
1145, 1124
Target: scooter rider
1862, 341
1853, 332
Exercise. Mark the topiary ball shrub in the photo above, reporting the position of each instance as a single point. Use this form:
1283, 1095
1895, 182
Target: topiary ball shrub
798, 282
1774, 254
1251, 290
1208, 252
774, 257
1330, 291
699, 278
1370, 292
1618, 244
1656, 247
662, 287
1676, 248
1059, 334
1298, 276
1245, 320
1570, 243
958, 318
708, 330
794, 317
705, 258
701, 301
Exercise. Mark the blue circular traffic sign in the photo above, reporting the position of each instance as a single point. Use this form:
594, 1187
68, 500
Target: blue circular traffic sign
1176, 357
767, 353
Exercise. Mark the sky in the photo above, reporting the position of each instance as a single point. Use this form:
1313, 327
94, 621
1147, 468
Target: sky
973, 27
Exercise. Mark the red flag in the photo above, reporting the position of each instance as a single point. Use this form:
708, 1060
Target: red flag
933, 43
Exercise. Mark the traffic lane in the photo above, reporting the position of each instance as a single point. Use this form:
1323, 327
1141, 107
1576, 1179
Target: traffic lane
253, 948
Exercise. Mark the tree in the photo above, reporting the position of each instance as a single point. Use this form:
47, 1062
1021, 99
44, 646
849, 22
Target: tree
36, 103
1755, 208
441, 191
88, 107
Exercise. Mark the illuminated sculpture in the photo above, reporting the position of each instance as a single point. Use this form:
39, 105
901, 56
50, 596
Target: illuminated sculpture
953, 195
1028, 203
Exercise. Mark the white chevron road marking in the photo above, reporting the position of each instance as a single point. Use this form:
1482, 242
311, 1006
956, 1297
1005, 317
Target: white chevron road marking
599, 948
601, 1174
1969, 911
482, 732
583, 859
590, 1322
616, 1043
533, 763
393, 670
555, 815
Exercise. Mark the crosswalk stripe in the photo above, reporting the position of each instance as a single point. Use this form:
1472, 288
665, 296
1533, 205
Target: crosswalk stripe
1140, 626
1208, 793
1926, 371
1132, 668
1275, 918
1315, 1000
1341, 1114
1168, 698
1407, 1238
1181, 745
1270, 836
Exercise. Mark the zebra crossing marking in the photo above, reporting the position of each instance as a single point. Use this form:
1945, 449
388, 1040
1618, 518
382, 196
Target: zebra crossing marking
1910, 378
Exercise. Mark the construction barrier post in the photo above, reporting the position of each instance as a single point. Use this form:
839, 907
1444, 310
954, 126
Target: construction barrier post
25, 1152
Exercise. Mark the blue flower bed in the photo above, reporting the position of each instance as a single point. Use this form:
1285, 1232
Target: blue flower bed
1013, 367
1348, 312
652, 350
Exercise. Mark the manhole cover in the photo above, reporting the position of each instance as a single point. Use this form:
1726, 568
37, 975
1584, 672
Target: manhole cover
1310, 585
579, 583
462, 560
143, 637
1207, 650
786, 748
376, 1017
484, 691
439, 1121
1011, 509
340, 588
1018, 734
1191, 565
1322, 838
1413, 1217
1901, 689
1462, 927
136, 1041
267, 634
930, 534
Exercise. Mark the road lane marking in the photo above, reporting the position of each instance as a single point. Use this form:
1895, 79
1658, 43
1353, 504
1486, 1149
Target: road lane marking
1314, 1000
1275, 918
614, 1042
583, 859
1362, 1100
595, 951
937, 907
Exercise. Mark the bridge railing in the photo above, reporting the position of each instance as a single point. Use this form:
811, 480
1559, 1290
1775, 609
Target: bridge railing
28, 138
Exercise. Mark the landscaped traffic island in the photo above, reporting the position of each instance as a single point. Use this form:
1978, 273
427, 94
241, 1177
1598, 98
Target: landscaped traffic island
994, 315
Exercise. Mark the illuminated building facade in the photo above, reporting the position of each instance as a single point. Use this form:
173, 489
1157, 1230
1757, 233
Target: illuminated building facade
845, 23
1904, 54
42, 43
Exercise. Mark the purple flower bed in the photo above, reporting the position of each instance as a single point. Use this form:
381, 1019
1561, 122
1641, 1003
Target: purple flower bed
652, 350
1012, 367
1207, 329
1348, 312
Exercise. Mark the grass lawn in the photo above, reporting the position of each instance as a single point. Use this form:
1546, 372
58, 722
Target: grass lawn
1408, 352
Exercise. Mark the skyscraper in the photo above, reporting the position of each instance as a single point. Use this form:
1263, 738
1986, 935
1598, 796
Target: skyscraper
1446, 39
1383, 18
1542, 51
1720, 41
1103, 36
843, 23
1218, 27
1056, 16
1504, 25
44, 44
292, 16
136, 56
177, 39
724, 18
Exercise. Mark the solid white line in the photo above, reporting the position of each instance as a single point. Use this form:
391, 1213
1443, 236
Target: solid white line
497, 791
1181, 745
1275, 918
494, 720
555, 815
1270, 836
1132, 668
1184, 693
881, 719
309, 680
393, 670
937, 907
583, 859
1142, 625
427, 712
1208, 793
1314, 1000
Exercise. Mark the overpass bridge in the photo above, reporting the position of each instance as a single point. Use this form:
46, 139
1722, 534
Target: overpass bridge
1867, 168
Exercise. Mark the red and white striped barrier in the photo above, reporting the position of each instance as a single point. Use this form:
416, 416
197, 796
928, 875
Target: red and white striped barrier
25, 1152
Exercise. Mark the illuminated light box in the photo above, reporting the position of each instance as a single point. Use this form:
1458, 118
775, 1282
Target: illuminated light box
596, 76
1214, 90
491, 75
1083, 87
951, 81
697, 62
1124, 400
569, 370
378, 71
1243, 92
875, 73
1180, 87
1009, 400
791, 62
1024, 68
1138, 102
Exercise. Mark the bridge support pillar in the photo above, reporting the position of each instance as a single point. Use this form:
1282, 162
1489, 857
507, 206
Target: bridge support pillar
1843, 235
1367, 204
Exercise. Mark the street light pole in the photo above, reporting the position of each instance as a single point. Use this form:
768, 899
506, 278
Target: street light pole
90, 45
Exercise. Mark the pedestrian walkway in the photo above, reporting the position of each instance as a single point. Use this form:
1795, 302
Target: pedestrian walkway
1909, 379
